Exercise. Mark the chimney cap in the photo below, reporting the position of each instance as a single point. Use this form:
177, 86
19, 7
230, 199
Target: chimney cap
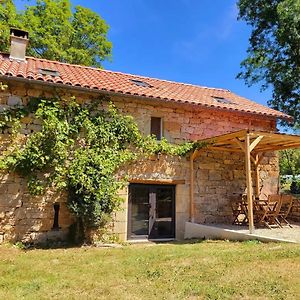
19, 33
18, 44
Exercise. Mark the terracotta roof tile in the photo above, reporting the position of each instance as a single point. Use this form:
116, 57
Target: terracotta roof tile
103, 80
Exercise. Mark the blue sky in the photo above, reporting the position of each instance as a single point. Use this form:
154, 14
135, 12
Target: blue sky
192, 41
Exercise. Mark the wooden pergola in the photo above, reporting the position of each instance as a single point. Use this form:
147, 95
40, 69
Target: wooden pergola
253, 144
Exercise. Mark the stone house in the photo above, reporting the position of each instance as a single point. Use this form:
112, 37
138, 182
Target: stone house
157, 201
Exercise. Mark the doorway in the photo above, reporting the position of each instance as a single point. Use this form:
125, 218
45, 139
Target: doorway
151, 211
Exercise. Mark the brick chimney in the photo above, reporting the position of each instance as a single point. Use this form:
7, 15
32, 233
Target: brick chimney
18, 44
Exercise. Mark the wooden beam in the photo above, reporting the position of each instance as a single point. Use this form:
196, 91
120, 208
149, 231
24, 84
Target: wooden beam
249, 183
258, 159
265, 134
273, 135
255, 142
278, 140
192, 206
216, 148
195, 154
225, 137
256, 175
279, 144
240, 144
275, 148
157, 181
252, 158
243, 148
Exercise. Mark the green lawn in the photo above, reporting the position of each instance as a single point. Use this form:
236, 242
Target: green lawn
206, 270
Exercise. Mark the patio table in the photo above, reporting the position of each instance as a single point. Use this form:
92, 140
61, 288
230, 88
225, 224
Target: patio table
265, 211
259, 208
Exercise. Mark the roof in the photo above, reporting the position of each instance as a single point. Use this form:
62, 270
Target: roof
36, 69
260, 141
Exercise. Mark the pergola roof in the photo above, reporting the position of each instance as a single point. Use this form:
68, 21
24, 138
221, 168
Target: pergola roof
260, 141
253, 144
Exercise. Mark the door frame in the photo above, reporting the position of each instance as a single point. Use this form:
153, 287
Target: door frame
129, 208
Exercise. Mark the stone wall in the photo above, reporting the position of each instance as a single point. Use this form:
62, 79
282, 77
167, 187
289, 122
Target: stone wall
218, 175
183, 122
28, 218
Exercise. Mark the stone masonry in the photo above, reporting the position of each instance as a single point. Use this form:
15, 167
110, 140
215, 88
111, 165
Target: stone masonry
218, 176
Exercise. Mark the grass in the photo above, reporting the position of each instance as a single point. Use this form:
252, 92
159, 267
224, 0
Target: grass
206, 270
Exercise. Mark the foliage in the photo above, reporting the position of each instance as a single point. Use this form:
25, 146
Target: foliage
274, 52
3, 86
289, 162
58, 32
295, 187
79, 148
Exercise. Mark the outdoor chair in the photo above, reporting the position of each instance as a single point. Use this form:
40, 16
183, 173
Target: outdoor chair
239, 211
285, 208
267, 211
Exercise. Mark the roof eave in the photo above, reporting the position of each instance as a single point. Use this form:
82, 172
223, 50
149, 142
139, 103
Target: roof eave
114, 93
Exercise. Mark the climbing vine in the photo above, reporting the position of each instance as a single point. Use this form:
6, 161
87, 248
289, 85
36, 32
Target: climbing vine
3, 86
78, 148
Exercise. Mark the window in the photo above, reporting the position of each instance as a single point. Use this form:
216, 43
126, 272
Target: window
50, 72
223, 100
141, 83
56, 214
156, 127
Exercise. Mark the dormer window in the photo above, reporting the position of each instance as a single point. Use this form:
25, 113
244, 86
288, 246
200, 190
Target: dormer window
156, 127
223, 100
50, 72
141, 83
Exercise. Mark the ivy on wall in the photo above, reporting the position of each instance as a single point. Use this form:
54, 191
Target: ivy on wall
78, 148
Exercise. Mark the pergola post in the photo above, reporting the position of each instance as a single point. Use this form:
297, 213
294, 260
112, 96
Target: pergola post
192, 205
256, 181
249, 183
257, 176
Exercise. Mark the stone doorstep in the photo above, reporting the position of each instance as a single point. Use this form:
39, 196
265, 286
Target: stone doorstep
194, 230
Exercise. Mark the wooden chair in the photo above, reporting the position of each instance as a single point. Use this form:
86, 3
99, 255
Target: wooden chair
269, 211
285, 208
238, 211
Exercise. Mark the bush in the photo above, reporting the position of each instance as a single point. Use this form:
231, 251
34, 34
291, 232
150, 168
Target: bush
295, 187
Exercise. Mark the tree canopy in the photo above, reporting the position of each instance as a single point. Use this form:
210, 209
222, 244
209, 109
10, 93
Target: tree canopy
58, 32
290, 162
274, 51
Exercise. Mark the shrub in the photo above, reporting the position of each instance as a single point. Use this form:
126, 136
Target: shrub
295, 187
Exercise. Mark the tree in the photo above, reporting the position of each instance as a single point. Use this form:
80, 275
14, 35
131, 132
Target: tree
8, 18
274, 51
58, 32
289, 162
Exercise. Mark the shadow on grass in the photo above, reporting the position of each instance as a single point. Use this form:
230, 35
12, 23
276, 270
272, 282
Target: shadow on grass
67, 245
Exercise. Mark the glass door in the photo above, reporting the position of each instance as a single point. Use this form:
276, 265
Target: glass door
151, 211
164, 220
138, 211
